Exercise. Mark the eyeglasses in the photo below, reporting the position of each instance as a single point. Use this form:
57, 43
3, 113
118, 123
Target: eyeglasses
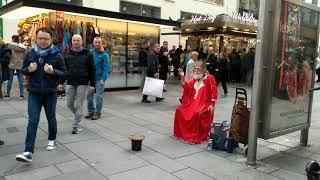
45, 39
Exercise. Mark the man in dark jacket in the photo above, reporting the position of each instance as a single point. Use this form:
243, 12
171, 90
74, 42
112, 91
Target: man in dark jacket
5, 55
235, 62
143, 62
164, 62
44, 65
153, 69
212, 62
80, 73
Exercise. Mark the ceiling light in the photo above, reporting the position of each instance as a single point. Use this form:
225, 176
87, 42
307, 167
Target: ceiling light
224, 27
210, 28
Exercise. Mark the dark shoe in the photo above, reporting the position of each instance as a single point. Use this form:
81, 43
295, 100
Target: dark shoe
164, 90
180, 100
1, 142
24, 157
21, 97
145, 101
76, 130
96, 116
89, 115
159, 99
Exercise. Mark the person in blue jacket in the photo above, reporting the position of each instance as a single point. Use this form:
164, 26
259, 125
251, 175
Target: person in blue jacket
44, 65
102, 62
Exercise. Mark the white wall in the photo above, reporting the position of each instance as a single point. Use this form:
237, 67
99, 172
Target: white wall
9, 29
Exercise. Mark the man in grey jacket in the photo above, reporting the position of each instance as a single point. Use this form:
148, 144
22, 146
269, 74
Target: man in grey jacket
16, 63
153, 69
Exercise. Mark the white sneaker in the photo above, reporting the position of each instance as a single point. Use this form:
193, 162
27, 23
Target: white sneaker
51, 145
24, 157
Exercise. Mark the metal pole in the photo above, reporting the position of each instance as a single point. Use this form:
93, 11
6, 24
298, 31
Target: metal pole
304, 137
257, 89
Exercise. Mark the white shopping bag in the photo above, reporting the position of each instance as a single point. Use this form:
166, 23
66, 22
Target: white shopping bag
153, 87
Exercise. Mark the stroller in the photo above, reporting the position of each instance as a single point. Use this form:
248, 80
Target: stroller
240, 119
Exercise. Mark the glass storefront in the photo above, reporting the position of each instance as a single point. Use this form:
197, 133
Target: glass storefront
229, 42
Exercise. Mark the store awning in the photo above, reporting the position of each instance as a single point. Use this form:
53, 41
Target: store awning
221, 24
21, 9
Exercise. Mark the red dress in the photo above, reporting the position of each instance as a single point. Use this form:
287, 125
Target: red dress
192, 118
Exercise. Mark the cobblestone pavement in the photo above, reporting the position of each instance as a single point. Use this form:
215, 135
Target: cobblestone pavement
102, 149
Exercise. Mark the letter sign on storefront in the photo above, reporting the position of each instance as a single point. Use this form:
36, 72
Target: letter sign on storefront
245, 16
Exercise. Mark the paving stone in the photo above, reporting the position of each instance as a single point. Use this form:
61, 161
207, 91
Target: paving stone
105, 132
212, 165
106, 157
86, 174
289, 175
163, 162
278, 147
65, 135
41, 173
41, 158
147, 172
160, 129
288, 162
253, 174
315, 157
168, 146
266, 168
300, 151
71, 166
191, 174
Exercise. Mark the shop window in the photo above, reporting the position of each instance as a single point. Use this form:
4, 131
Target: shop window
251, 6
140, 9
130, 8
137, 35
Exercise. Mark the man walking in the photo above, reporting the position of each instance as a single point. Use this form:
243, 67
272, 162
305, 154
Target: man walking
102, 64
143, 62
16, 62
44, 65
164, 62
80, 72
153, 69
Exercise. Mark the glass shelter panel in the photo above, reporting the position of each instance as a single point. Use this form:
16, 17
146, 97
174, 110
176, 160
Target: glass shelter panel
293, 67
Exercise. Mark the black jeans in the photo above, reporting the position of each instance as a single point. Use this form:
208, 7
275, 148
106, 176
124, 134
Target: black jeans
35, 103
223, 82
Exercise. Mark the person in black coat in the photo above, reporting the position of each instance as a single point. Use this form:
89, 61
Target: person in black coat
5, 56
153, 69
211, 61
221, 72
44, 65
164, 62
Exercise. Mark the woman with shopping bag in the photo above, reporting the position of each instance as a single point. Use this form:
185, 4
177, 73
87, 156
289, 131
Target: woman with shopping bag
194, 116
152, 76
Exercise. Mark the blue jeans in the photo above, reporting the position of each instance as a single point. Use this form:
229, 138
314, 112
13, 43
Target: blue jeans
20, 81
99, 99
35, 103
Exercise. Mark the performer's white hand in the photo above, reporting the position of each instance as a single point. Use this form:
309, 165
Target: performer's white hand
91, 89
60, 87
181, 73
210, 108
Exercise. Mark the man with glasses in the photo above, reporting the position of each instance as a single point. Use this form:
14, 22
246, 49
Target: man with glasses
44, 65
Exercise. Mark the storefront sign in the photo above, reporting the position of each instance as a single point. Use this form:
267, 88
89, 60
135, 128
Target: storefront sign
199, 18
244, 16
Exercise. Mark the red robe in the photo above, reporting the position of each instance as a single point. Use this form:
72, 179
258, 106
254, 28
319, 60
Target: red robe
192, 118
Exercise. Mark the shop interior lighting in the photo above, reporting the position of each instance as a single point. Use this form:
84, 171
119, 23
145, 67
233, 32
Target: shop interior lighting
210, 28
24, 12
224, 27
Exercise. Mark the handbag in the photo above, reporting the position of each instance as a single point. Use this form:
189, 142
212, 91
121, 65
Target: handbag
153, 87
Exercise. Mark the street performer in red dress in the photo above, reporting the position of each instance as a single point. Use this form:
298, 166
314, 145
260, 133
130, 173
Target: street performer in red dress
194, 116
